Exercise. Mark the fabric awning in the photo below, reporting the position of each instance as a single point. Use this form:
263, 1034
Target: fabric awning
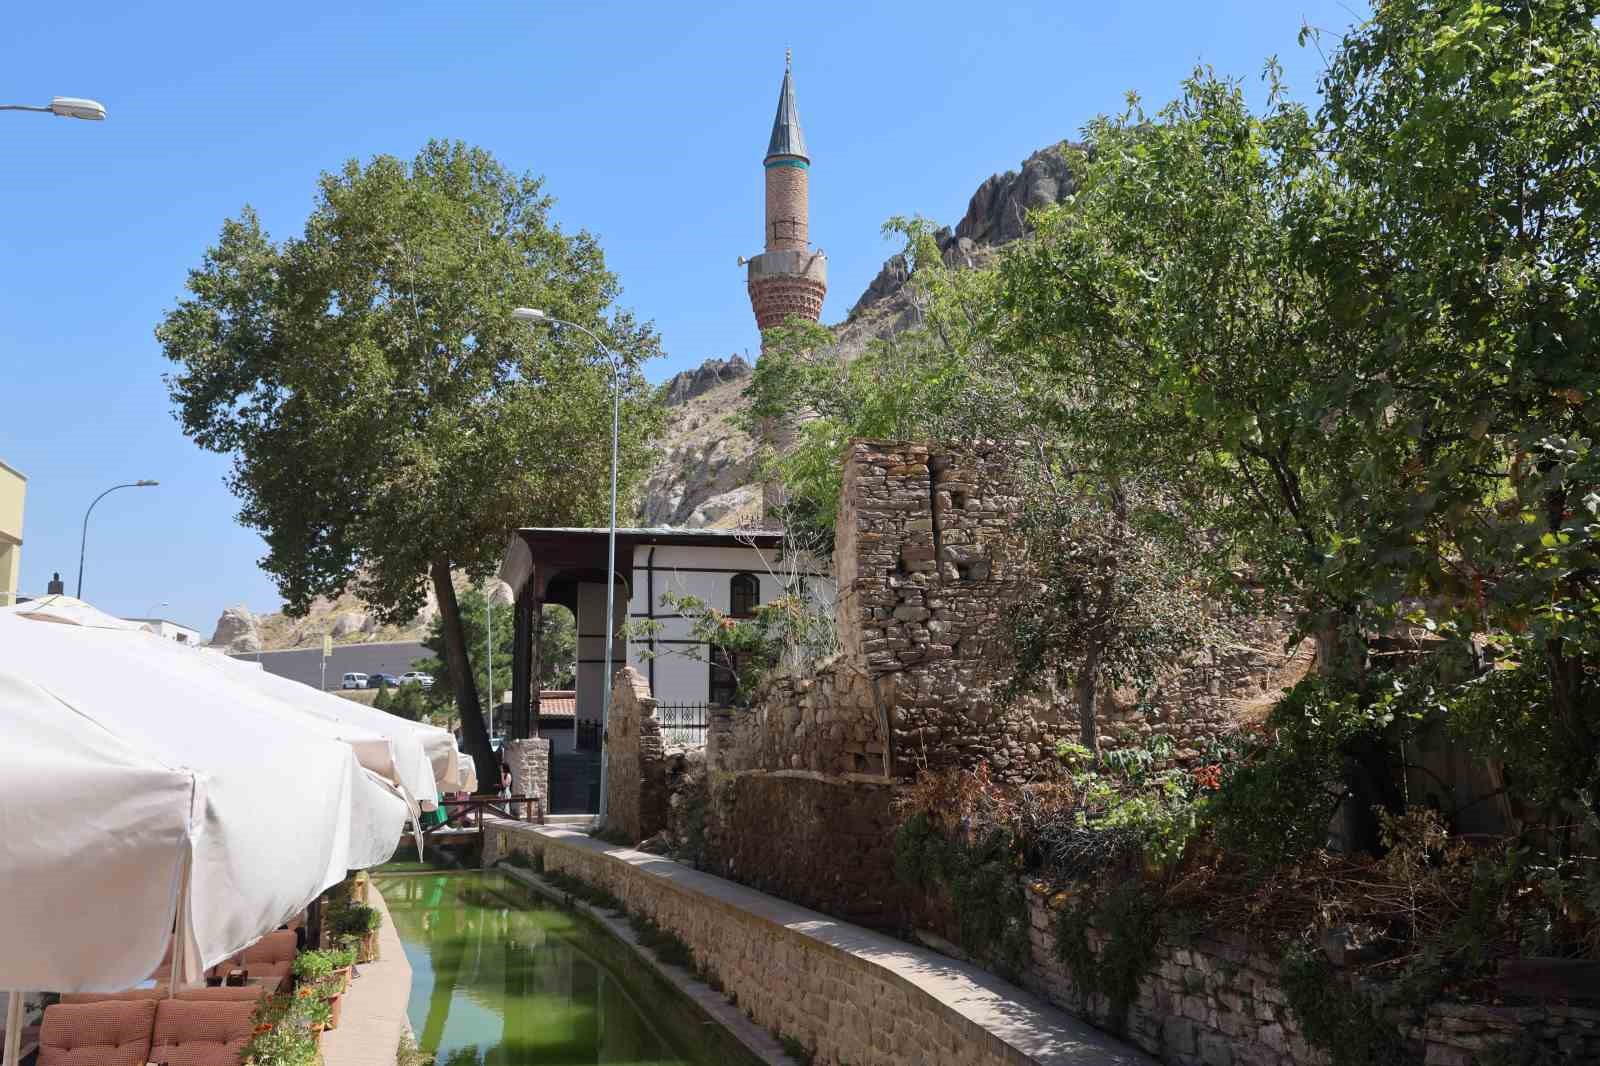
279, 808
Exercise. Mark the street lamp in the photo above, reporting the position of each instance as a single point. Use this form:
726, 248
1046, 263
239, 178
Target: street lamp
65, 107
83, 542
534, 316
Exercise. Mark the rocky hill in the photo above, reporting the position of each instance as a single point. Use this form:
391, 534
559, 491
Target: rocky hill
347, 619
705, 466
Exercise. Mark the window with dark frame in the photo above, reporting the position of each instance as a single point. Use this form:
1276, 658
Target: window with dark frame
744, 595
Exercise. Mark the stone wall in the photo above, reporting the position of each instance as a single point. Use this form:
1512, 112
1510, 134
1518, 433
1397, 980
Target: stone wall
929, 563
821, 841
636, 788
847, 995
1218, 1001
530, 769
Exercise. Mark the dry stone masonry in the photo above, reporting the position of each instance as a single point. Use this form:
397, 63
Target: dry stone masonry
929, 563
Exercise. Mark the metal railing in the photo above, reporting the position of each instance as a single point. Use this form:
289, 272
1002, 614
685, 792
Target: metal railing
468, 814
586, 735
684, 723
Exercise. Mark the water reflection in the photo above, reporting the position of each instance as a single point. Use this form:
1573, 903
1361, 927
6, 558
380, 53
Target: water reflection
500, 979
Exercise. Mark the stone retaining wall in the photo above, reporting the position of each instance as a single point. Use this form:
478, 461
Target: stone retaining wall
847, 995
823, 842
1219, 1002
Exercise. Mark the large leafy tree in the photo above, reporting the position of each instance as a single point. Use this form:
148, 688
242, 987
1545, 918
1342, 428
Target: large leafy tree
1468, 135
1173, 304
389, 421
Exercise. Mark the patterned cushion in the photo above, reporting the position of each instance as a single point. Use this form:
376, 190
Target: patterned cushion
110, 1033
200, 1033
274, 947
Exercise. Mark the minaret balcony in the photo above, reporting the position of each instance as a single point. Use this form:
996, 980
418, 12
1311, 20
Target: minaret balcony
789, 263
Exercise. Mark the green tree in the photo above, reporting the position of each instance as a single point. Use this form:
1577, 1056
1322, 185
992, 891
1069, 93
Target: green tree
410, 702
389, 421
558, 662
1467, 134
1174, 306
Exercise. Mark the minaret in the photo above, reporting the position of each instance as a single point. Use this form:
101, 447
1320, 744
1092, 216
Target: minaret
788, 278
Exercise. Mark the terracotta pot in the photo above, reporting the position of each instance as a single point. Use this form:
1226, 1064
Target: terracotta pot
368, 952
342, 976
333, 1011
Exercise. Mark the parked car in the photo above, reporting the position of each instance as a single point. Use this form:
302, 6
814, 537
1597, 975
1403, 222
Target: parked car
416, 677
382, 681
353, 680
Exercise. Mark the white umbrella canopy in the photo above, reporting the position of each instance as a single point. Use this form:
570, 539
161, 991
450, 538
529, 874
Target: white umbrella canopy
468, 781
285, 809
396, 754
85, 818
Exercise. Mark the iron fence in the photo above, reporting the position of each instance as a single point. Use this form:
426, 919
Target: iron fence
684, 723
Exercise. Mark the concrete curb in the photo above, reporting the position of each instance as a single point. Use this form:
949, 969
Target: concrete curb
373, 1014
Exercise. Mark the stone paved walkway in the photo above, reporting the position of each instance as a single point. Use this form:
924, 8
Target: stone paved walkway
374, 1009
1032, 1030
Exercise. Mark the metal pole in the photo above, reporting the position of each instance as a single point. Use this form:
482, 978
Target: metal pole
83, 540
488, 650
611, 578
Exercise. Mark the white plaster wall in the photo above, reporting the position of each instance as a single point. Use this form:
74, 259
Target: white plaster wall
682, 674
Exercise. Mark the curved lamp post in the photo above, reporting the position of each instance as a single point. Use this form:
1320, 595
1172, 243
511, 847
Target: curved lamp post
65, 107
538, 318
83, 542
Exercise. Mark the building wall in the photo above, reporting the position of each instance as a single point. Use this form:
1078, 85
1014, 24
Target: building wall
591, 622
13, 491
172, 631
678, 670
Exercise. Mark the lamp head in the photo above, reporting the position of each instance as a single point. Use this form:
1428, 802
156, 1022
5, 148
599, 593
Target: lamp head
530, 314
143, 484
74, 107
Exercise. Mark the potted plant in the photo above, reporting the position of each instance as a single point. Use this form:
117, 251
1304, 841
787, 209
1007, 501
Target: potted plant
344, 958
281, 1036
361, 922
312, 967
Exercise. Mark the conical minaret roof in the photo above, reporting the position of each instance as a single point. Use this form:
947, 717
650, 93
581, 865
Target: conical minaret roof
786, 136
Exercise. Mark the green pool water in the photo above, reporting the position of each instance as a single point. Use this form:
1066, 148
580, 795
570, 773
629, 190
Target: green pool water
503, 978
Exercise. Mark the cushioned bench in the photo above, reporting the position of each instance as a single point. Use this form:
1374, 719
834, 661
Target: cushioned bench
132, 1032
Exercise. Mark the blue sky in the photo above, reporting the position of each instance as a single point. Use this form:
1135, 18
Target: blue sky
647, 120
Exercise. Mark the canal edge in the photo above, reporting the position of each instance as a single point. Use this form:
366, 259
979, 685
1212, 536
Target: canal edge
755, 1039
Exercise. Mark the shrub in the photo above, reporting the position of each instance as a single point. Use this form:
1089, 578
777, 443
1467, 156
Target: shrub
355, 919
312, 966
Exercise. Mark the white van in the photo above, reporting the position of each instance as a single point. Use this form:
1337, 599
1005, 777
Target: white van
354, 681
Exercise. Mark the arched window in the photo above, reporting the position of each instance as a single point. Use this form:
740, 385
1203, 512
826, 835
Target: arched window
744, 595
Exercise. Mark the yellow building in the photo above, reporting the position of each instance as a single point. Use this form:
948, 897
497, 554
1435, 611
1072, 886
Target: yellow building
13, 487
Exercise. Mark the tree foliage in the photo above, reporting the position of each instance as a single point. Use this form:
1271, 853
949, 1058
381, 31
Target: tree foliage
389, 420
558, 659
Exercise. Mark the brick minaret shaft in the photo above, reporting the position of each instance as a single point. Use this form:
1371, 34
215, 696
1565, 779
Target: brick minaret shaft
788, 278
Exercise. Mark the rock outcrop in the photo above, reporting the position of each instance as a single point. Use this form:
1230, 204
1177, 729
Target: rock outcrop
997, 214
237, 631
685, 386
